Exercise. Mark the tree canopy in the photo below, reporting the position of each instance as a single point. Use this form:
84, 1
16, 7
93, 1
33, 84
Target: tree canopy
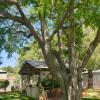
55, 13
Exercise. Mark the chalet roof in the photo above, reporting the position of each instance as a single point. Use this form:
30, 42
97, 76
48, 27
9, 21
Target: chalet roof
2, 71
37, 64
94, 71
30, 67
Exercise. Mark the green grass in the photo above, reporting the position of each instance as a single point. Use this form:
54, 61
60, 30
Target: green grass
18, 96
13, 96
91, 99
91, 94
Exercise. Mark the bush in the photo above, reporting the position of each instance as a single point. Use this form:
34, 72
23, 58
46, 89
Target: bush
12, 88
49, 83
4, 84
24, 92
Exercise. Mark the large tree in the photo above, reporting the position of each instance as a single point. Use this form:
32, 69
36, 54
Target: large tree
60, 19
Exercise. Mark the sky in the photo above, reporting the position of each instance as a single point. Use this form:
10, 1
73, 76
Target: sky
13, 61
9, 61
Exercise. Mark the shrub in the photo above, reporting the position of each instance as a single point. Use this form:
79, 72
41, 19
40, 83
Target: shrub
4, 84
12, 88
24, 92
49, 83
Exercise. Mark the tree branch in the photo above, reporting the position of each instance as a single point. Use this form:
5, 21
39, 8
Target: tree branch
33, 31
8, 1
7, 15
20, 10
59, 42
26, 22
23, 32
42, 30
15, 3
59, 59
29, 25
67, 14
90, 50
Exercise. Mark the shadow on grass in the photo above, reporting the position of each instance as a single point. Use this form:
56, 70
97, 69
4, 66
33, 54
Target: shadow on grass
13, 96
90, 99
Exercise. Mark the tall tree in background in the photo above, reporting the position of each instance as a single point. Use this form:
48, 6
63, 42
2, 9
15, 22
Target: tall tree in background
47, 20
93, 63
9, 69
31, 52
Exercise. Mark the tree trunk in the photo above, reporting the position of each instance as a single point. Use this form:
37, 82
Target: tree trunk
90, 79
72, 89
70, 82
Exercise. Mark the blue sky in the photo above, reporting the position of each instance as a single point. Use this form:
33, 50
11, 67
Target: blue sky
9, 61
13, 61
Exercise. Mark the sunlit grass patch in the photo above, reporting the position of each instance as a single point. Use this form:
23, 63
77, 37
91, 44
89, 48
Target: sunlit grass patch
91, 94
13, 96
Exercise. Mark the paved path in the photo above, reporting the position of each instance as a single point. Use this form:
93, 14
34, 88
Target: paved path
55, 98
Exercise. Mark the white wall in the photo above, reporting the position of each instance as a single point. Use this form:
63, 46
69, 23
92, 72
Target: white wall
33, 92
96, 79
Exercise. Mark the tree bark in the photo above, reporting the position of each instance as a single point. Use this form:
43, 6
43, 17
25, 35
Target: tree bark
71, 82
90, 79
72, 88
8, 1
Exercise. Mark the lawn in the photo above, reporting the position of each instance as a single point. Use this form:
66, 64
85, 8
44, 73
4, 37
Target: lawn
18, 96
13, 96
91, 94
